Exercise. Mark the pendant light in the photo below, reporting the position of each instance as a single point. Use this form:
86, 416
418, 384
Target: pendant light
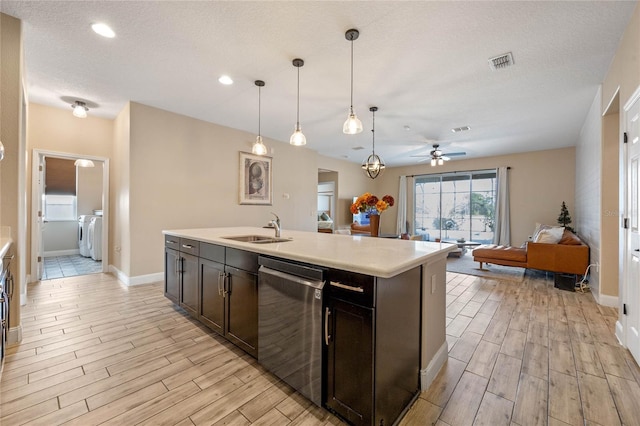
298, 138
373, 166
258, 147
353, 125
80, 109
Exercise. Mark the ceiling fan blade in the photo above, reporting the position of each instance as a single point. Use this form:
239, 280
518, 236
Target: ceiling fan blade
424, 155
455, 154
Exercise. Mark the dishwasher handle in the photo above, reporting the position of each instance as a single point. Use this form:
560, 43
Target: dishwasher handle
327, 336
315, 284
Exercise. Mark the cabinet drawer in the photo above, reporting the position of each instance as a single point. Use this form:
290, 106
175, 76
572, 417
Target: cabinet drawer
352, 287
212, 252
245, 260
172, 242
189, 246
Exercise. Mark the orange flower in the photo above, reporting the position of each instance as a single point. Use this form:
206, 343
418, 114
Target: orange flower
369, 203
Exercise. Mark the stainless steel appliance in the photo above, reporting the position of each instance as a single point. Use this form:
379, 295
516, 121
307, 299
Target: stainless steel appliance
290, 324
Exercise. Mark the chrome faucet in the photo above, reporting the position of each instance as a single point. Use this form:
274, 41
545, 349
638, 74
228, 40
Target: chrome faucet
276, 224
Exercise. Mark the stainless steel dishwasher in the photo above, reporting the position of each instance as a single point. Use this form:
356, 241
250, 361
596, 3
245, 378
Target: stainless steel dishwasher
290, 324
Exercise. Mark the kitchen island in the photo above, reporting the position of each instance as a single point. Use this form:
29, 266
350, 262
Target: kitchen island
398, 300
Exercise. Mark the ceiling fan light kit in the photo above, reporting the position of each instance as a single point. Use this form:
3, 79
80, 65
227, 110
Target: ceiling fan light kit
373, 166
352, 125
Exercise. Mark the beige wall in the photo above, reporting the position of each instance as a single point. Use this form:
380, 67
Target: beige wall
12, 167
89, 188
57, 130
539, 182
119, 184
184, 174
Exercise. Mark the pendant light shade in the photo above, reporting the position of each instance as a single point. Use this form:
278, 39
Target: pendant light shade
79, 109
373, 166
298, 138
353, 125
258, 147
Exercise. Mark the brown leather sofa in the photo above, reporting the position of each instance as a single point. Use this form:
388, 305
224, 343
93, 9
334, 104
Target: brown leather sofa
570, 255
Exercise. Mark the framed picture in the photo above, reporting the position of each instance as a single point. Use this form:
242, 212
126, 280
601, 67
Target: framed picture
255, 179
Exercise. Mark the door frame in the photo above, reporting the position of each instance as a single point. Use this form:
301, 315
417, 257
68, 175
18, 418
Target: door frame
36, 235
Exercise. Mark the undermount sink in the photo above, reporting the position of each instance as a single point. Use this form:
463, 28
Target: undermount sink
257, 239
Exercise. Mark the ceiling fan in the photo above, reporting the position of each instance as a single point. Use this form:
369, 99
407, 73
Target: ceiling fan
438, 157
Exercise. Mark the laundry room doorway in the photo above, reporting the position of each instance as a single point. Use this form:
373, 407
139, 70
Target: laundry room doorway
69, 215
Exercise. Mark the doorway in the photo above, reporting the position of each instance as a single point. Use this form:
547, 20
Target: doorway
69, 233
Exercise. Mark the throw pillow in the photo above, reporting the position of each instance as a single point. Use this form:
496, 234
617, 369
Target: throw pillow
550, 235
325, 216
569, 238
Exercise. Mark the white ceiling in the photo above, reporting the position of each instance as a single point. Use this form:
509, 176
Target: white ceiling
423, 64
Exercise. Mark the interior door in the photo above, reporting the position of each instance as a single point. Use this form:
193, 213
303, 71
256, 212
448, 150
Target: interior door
631, 288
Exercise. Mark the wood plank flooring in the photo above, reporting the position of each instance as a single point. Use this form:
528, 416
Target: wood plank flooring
97, 352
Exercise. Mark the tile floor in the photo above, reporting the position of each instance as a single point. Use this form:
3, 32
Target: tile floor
70, 266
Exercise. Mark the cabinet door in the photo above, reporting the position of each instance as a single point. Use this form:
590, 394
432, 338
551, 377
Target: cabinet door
350, 361
212, 295
189, 284
171, 275
242, 313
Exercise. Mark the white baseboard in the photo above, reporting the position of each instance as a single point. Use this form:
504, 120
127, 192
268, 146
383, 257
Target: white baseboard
606, 300
55, 253
428, 375
139, 280
14, 335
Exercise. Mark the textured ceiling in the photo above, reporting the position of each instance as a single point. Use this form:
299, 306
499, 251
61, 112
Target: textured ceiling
424, 64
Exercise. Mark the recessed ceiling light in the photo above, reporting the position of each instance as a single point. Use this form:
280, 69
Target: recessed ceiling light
460, 129
103, 29
225, 79
407, 127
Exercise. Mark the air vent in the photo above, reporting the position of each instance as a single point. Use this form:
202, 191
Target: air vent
358, 148
502, 61
460, 129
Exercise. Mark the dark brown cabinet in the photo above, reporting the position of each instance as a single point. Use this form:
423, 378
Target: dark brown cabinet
373, 356
212, 290
350, 361
242, 305
189, 283
171, 269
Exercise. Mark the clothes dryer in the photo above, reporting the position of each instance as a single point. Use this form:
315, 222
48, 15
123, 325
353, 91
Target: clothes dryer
83, 234
95, 238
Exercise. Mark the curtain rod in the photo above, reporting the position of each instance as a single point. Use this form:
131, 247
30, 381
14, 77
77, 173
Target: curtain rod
465, 171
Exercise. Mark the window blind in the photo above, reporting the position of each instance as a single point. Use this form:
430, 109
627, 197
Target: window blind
60, 177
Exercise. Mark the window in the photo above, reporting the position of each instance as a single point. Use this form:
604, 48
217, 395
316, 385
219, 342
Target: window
59, 207
455, 205
60, 189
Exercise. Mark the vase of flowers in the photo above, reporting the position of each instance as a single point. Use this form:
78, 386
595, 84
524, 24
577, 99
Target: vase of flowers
374, 206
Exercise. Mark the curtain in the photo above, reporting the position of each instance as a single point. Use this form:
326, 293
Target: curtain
60, 176
502, 231
401, 223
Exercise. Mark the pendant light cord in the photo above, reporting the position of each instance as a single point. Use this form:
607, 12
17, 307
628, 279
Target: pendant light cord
298, 103
259, 110
351, 106
373, 133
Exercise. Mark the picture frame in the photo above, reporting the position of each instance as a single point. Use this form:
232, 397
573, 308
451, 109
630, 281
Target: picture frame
255, 179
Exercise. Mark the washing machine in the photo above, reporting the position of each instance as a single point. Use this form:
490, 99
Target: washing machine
83, 234
94, 241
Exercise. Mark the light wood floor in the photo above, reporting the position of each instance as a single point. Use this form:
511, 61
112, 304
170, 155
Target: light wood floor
97, 352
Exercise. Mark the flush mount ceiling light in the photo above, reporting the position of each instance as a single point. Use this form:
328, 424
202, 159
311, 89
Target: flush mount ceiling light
103, 29
352, 125
258, 146
373, 166
80, 109
84, 163
226, 80
298, 138
460, 129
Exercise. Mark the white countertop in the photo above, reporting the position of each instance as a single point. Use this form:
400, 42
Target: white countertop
381, 257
